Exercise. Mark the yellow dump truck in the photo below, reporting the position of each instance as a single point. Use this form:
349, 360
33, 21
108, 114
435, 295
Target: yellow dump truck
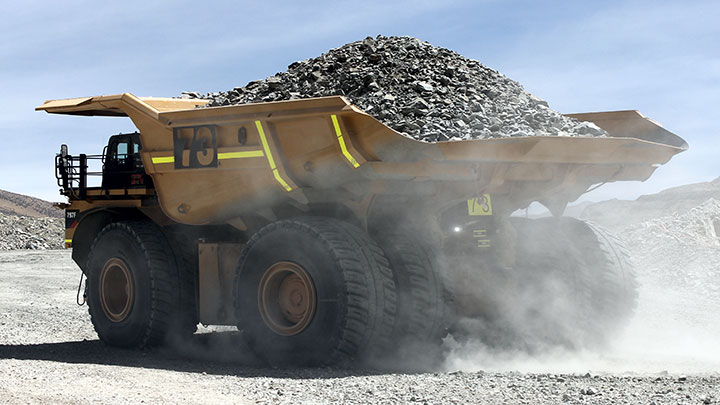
327, 237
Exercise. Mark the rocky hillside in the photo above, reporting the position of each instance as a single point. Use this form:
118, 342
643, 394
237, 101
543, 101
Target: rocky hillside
23, 205
673, 236
681, 249
619, 214
29, 223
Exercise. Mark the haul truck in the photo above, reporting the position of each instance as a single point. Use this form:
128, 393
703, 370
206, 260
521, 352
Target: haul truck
328, 237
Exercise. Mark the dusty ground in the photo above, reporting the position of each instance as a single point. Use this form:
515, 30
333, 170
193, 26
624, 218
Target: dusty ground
49, 353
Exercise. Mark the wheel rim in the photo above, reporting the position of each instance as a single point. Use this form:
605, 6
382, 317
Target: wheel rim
116, 290
286, 298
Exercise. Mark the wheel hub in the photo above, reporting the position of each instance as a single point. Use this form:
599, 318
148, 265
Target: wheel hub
116, 290
286, 298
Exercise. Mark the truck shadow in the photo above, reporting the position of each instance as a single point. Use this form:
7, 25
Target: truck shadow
213, 353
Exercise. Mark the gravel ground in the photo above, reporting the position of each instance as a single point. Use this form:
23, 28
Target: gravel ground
49, 353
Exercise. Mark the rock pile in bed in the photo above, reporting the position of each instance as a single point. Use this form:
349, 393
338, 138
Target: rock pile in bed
425, 92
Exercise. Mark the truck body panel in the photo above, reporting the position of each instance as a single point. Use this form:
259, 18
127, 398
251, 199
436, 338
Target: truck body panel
213, 165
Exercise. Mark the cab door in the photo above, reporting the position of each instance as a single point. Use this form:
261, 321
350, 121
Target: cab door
123, 166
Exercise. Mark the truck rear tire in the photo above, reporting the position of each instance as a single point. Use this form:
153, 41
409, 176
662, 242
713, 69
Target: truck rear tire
133, 287
312, 291
549, 301
614, 291
594, 269
424, 298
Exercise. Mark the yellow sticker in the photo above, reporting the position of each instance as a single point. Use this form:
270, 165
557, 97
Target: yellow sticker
480, 206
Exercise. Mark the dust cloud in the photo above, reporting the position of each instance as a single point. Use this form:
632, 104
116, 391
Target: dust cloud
675, 327
672, 331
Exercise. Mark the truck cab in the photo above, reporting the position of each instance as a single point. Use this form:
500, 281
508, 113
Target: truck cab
122, 168
122, 164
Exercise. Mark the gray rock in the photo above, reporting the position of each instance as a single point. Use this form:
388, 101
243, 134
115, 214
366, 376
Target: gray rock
423, 87
419, 104
190, 95
275, 82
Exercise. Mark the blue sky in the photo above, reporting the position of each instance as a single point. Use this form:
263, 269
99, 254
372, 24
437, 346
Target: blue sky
659, 57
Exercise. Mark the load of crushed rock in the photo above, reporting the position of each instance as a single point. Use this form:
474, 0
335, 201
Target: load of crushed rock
22, 232
680, 250
422, 91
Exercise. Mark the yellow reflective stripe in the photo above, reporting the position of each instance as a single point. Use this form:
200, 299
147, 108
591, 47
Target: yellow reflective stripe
280, 180
68, 240
227, 155
238, 155
269, 155
163, 159
339, 134
261, 131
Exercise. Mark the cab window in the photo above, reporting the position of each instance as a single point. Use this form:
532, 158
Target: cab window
122, 150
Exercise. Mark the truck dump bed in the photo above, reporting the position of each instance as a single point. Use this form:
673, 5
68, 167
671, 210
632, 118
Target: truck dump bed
211, 165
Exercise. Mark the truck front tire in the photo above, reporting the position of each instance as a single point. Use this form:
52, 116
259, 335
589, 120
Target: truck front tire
133, 288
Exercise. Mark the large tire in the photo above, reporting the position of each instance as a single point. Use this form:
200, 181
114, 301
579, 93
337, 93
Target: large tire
593, 268
614, 290
549, 301
133, 288
339, 272
424, 298
186, 259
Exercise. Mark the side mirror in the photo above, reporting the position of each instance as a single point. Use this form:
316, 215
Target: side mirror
63, 150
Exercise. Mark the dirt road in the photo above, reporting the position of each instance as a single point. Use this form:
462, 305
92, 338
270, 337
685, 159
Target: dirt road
49, 353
